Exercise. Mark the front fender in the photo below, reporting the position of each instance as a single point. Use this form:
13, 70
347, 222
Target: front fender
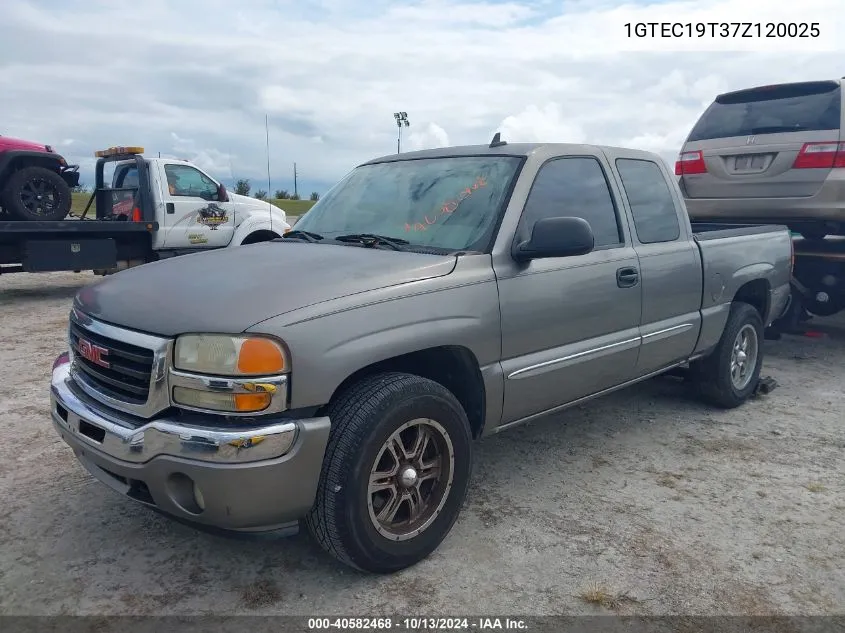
9, 161
330, 341
275, 222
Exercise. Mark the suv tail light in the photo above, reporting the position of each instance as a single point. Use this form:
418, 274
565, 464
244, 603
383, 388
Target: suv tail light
690, 163
825, 155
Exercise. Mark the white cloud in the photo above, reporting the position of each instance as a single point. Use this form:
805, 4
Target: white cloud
432, 136
330, 74
541, 124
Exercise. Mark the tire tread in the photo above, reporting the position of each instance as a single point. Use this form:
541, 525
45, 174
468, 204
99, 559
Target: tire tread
351, 415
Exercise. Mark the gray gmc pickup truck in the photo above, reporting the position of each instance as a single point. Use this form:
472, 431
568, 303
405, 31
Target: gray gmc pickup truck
437, 297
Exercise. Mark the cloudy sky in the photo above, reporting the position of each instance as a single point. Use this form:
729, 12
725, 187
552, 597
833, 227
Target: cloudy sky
195, 78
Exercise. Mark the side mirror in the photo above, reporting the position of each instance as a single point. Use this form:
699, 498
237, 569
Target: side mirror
556, 237
222, 195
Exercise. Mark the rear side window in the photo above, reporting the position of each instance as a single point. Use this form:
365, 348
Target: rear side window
573, 187
770, 110
652, 205
127, 177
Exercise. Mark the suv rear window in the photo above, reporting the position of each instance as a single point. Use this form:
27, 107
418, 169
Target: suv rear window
772, 109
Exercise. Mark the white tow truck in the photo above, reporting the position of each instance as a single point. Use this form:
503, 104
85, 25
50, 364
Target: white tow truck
151, 209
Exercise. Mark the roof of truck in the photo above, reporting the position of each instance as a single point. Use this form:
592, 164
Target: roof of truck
510, 149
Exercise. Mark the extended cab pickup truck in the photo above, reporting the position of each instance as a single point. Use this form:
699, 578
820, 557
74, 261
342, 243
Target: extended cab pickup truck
440, 296
149, 209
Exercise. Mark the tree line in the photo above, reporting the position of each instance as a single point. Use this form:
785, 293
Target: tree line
243, 187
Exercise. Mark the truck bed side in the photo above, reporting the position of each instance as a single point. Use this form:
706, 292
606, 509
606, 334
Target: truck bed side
749, 262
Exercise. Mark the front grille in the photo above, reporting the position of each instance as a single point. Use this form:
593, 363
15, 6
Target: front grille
127, 377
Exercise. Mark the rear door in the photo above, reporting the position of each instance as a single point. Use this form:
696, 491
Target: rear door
748, 144
670, 265
194, 216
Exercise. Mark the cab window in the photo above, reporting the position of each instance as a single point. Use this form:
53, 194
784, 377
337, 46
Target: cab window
188, 182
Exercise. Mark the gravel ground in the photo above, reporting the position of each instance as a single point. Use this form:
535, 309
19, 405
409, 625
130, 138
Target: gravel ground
645, 502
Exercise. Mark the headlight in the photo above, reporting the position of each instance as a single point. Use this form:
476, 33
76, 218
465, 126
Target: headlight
222, 355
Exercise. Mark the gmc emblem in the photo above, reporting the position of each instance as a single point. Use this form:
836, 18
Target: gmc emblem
93, 353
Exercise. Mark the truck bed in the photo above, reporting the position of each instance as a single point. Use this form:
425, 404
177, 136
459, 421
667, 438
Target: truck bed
733, 255
719, 230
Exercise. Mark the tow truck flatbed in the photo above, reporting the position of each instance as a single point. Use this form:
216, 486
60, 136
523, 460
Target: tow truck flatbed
73, 226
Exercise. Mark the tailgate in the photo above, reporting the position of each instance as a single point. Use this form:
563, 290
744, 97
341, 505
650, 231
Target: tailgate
748, 144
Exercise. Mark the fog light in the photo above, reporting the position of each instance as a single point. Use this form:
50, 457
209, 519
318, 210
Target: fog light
221, 401
198, 498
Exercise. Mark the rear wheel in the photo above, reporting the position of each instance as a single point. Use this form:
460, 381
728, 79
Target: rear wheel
36, 193
729, 375
395, 473
813, 234
793, 315
831, 306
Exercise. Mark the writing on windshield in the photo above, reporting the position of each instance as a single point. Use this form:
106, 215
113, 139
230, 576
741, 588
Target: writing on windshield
442, 202
448, 207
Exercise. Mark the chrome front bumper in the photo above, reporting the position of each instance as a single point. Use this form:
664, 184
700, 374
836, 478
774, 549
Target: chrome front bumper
249, 478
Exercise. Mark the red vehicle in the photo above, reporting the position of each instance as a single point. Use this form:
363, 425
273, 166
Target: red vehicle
35, 181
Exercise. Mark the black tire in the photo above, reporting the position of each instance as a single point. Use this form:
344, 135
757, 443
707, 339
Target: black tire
790, 322
813, 234
363, 419
21, 195
713, 373
824, 308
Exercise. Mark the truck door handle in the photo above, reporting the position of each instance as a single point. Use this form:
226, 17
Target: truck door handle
170, 207
627, 277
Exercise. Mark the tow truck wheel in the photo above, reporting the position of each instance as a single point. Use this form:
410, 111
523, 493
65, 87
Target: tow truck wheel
813, 233
729, 375
37, 193
395, 473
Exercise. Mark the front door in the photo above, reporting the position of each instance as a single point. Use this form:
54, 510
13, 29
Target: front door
194, 216
570, 325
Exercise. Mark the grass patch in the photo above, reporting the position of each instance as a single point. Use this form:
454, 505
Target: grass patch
294, 207
291, 207
262, 593
601, 596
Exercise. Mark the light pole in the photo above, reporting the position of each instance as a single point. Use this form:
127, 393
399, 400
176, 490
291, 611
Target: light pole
401, 118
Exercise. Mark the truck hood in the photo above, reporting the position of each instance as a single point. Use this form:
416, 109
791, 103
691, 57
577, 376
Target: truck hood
8, 144
254, 204
231, 289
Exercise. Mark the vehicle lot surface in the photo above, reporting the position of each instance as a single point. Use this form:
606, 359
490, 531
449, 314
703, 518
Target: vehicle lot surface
644, 502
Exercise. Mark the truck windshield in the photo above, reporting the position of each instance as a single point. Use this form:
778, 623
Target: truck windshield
450, 203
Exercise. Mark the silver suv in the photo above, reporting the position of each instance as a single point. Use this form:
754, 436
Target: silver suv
771, 154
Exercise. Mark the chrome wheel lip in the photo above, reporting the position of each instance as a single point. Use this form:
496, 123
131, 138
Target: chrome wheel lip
446, 462
744, 355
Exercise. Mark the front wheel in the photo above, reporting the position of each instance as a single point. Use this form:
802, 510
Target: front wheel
729, 375
395, 474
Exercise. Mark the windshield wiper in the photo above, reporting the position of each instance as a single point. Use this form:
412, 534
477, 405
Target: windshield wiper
371, 240
308, 236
